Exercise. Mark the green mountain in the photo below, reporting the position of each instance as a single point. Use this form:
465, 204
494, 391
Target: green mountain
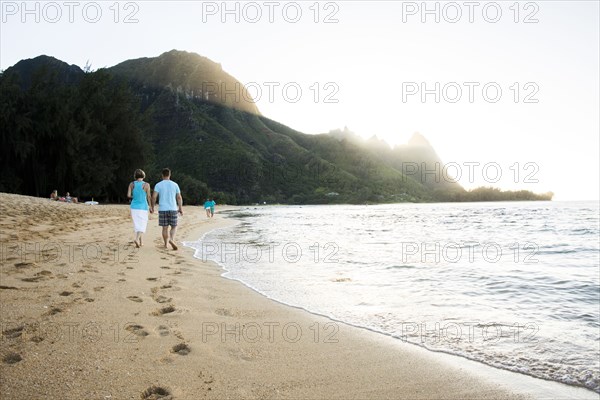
189, 75
32, 69
86, 133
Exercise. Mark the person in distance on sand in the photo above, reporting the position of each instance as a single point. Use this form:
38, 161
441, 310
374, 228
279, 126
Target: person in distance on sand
70, 199
170, 203
212, 207
207, 207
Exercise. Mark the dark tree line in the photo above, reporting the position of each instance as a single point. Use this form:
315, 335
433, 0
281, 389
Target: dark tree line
83, 137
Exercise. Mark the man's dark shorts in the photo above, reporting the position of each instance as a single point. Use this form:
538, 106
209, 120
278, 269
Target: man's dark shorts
167, 218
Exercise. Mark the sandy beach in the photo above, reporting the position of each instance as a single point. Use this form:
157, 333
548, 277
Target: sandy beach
86, 315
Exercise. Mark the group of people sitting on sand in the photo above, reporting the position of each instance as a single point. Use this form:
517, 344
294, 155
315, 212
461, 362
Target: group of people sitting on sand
67, 198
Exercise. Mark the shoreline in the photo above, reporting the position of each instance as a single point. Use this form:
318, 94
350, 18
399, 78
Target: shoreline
527, 384
133, 323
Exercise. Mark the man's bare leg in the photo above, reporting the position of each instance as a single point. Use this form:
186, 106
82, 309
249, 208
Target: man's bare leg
172, 237
165, 234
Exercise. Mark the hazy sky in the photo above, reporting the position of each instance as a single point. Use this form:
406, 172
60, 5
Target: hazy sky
365, 64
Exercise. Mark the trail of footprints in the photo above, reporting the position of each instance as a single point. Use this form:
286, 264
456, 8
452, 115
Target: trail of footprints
32, 275
72, 295
75, 296
182, 348
159, 295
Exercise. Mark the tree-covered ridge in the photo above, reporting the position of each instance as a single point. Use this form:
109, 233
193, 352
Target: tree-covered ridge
87, 132
79, 137
188, 74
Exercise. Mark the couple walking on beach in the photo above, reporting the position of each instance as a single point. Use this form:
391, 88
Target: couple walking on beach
170, 203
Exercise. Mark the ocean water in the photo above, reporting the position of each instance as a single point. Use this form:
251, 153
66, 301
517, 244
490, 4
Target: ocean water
515, 285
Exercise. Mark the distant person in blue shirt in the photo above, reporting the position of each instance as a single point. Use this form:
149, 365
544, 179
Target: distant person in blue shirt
170, 203
207, 205
139, 193
212, 207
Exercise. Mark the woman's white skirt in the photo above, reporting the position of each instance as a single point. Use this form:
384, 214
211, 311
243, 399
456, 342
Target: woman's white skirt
140, 220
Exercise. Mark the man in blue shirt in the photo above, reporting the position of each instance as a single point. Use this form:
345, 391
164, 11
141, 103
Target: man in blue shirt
170, 203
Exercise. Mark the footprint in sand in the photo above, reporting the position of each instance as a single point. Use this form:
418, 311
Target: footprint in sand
163, 330
13, 332
165, 310
152, 279
224, 312
135, 298
162, 299
178, 335
182, 349
53, 311
137, 330
166, 360
39, 276
155, 393
2, 287
90, 268
25, 265
65, 293
11, 358
165, 267
37, 339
